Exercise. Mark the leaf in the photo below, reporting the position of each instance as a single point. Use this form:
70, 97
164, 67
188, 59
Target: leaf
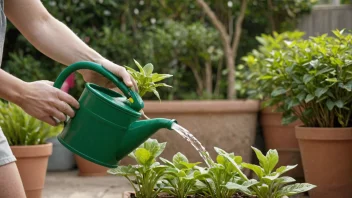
320, 91
255, 168
250, 183
330, 104
288, 119
178, 158
283, 169
284, 180
307, 78
143, 156
339, 104
156, 93
331, 80
167, 162
278, 91
325, 70
234, 186
158, 77
123, 170
301, 96
309, 98
139, 66
262, 159
148, 69
294, 189
162, 85
273, 158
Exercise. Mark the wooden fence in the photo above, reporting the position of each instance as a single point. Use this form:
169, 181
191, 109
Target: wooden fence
325, 18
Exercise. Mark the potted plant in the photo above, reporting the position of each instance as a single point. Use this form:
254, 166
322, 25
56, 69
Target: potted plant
313, 84
27, 138
224, 178
251, 84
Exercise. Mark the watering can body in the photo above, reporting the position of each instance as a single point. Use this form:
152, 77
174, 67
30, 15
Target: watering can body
106, 127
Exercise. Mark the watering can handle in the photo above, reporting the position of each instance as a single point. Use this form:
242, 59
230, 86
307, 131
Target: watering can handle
136, 101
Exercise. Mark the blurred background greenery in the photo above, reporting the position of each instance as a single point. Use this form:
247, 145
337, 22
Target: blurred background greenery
175, 36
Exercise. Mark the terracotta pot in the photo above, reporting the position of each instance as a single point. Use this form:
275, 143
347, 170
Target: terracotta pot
87, 168
32, 162
283, 139
327, 160
230, 125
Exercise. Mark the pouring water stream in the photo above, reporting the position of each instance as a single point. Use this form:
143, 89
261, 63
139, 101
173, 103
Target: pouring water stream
185, 134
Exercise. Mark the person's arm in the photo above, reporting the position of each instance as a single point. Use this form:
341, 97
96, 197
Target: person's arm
54, 39
39, 99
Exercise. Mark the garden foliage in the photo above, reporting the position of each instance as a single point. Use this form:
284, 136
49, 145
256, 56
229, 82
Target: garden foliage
224, 179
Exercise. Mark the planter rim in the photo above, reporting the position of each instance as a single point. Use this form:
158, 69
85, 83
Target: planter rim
323, 133
202, 106
41, 150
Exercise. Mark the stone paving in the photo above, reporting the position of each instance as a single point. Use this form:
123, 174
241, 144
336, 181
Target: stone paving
69, 185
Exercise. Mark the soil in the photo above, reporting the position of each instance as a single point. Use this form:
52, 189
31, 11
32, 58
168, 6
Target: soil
237, 195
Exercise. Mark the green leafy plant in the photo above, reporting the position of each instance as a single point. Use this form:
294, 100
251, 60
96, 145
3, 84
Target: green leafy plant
255, 67
22, 129
270, 183
313, 80
180, 177
213, 180
225, 178
147, 80
144, 176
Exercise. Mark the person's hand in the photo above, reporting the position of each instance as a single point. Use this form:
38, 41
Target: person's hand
43, 101
96, 78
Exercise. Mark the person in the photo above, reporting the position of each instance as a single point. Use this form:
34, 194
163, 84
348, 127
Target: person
39, 98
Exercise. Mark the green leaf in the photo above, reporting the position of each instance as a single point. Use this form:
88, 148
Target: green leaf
139, 66
162, 85
283, 169
272, 158
178, 158
143, 156
294, 189
284, 180
301, 96
148, 69
339, 104
309, 98
123, 170
288, 119
234, 186
255, 168
158, 77
307, 78
250, 183
262, 159
331, 80
156, 93
325, 70
330, 104
278, 91
320, 91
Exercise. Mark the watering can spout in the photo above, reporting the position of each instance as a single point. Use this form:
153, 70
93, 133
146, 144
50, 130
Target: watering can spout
141, 130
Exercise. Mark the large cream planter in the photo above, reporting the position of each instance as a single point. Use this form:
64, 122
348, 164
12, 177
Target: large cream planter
227, 124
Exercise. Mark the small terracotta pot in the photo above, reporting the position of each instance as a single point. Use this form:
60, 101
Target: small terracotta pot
327, 160
87, 168
32, 162
283, 139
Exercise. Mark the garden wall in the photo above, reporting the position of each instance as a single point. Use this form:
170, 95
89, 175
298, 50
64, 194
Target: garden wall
325, 18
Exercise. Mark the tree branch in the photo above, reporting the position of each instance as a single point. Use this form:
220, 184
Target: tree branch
216, 22
238, 30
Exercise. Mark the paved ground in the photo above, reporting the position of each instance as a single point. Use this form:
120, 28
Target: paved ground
69, 185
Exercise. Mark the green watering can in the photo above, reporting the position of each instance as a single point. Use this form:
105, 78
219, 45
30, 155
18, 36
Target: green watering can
106, 127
